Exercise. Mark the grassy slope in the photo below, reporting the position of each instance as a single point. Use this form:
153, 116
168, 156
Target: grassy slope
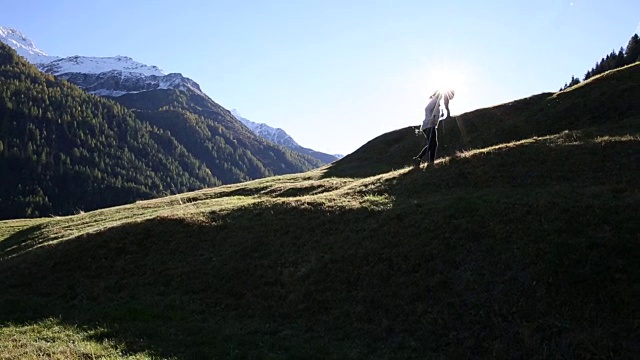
607, 99
526, 247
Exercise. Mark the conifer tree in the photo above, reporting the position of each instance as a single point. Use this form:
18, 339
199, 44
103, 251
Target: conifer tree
632, 52
574, 81
620, 59
617, 60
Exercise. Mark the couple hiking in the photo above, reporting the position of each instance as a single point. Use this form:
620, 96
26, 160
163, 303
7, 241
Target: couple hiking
430, 125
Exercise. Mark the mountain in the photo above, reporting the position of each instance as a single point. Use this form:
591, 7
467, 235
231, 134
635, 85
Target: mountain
24, 46
63, 150
275, 135
280, 137
521, 242
97, 65
115, 76
208, 130
103, 76
119, 75
115, 83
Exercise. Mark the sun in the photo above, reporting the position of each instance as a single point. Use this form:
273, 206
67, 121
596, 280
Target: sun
446, 78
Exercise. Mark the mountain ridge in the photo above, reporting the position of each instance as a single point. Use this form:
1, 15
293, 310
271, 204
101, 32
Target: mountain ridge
24, 46
102, 76
120, 75
97, 65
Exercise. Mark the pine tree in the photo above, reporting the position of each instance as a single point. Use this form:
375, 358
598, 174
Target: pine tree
617, 60
588, 74
574, 81
620, 60
632, 52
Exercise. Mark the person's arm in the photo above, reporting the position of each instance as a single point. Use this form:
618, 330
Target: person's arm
427, 116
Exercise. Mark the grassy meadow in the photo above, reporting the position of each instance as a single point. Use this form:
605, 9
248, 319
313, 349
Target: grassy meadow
522, 241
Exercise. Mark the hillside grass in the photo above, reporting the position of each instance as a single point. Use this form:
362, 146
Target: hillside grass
607, 100
527, 247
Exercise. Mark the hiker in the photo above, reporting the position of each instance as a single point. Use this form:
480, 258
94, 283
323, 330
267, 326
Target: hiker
430, 125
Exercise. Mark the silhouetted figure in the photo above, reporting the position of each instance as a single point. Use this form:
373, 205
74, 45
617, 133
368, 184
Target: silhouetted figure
429, 126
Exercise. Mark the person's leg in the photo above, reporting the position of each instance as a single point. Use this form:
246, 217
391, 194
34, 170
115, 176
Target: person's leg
433, 144
426, 147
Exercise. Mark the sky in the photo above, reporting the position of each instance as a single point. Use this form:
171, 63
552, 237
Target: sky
335, 74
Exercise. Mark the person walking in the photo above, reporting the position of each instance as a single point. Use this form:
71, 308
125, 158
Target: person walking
429, 126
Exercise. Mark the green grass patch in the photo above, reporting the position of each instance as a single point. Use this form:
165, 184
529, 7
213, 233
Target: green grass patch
524, 247
51, 339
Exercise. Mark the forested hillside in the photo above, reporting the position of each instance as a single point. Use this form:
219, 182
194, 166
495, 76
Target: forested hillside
63, 151
208, 131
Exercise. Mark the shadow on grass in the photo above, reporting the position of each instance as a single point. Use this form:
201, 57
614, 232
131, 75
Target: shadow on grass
174, 288
306, 282
20, 241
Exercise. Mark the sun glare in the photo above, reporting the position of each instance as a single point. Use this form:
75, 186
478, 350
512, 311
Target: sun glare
446, 78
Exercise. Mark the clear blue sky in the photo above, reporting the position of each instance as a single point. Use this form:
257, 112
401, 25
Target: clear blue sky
336, 73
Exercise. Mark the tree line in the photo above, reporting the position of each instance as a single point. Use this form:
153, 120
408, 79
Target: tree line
614, 60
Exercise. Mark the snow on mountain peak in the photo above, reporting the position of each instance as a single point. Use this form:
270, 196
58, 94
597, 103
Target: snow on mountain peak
19, 40
119, 75
280, 137
24, 46
97, 65
275, 135
72, 64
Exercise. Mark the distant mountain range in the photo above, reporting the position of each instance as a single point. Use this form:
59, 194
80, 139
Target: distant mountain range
63, 150
120, 75
280, 137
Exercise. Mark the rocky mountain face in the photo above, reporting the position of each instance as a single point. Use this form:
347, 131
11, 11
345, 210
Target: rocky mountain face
117, 82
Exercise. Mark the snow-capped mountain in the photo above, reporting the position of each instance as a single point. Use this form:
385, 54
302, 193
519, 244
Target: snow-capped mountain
120, 75
97, 65
118, 82
24, 47
104, 76
275, 135
280, 137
